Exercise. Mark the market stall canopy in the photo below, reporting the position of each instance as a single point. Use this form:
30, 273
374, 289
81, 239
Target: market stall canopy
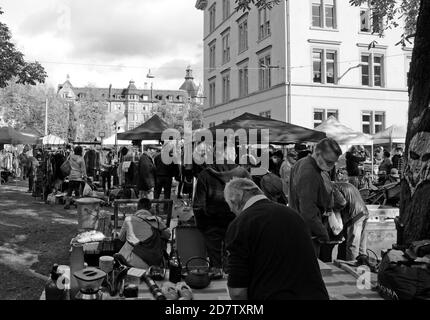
52, 140
393, 134
111, 142
343, 135
280, 132
31, 132
8, 135
150, 130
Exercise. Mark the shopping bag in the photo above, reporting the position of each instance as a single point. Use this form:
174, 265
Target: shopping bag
66, 168
335, 222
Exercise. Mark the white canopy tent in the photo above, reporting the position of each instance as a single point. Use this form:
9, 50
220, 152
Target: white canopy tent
112, 139
52, 140
344, 135
393, 134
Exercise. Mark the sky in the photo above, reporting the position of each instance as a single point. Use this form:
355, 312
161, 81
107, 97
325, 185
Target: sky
103, 42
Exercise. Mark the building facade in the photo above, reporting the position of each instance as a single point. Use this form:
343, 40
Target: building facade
135, 104
302, 62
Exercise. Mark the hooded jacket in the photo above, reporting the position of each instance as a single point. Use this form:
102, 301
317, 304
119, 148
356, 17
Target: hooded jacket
210, 207
78, 168
348, 200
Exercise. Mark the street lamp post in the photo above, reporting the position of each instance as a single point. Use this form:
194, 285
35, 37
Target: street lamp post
151, 76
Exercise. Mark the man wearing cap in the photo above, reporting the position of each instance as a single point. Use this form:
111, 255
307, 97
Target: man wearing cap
393, 177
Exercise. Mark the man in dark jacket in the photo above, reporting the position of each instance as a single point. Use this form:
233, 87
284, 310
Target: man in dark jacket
164, 175
350, 204
308, 194
146, 181
398, 160
270, 254
211, 212
353, 159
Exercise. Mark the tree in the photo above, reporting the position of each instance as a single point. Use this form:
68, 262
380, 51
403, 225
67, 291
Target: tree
24, 106
12, 63
175, 116
415, 194
91, 114
57, 108
195, 115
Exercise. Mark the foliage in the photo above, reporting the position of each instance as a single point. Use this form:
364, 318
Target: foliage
91, 114
24, 107
393, 11
195, 115
245, 5
12, 63
174, 115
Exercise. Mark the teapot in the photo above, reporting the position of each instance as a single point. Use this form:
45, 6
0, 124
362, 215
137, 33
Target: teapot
197, 276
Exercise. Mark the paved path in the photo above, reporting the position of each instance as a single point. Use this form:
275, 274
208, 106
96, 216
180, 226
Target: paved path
33, 236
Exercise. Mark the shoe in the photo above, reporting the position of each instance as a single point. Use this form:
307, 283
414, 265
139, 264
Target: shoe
184, 291
170, 291
215, 274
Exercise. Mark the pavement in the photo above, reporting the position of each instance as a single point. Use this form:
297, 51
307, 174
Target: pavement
33, 236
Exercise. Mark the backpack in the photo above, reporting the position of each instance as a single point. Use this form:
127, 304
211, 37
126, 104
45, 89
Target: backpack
400, 278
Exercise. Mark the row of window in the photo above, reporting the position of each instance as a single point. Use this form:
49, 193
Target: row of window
264, 80
372, 121
324, 16
137, 117
131, 107
263, 32
324, 65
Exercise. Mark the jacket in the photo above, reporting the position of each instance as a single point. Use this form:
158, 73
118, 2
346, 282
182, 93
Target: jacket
308, 196
210, 207
352, 207
135, 230
78, 168
272, 186
285, 172
352, 163
398, 162
146, 173
163, 170
271, 254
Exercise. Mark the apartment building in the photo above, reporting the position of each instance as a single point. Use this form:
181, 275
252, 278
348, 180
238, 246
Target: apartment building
136, 104
302, 62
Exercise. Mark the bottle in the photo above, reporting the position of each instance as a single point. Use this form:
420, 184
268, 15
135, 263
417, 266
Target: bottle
52, 292
175, 270
77, 263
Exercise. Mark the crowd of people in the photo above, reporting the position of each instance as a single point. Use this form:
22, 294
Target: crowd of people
265, 230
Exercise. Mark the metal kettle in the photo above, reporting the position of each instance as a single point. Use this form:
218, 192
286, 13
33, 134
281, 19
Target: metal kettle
197, 276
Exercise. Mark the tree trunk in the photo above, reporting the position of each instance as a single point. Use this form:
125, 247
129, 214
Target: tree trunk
415, 197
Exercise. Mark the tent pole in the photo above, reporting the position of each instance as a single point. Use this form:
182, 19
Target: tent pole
372, 159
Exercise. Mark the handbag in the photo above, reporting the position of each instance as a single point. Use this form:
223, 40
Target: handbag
66, 168
150, 250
